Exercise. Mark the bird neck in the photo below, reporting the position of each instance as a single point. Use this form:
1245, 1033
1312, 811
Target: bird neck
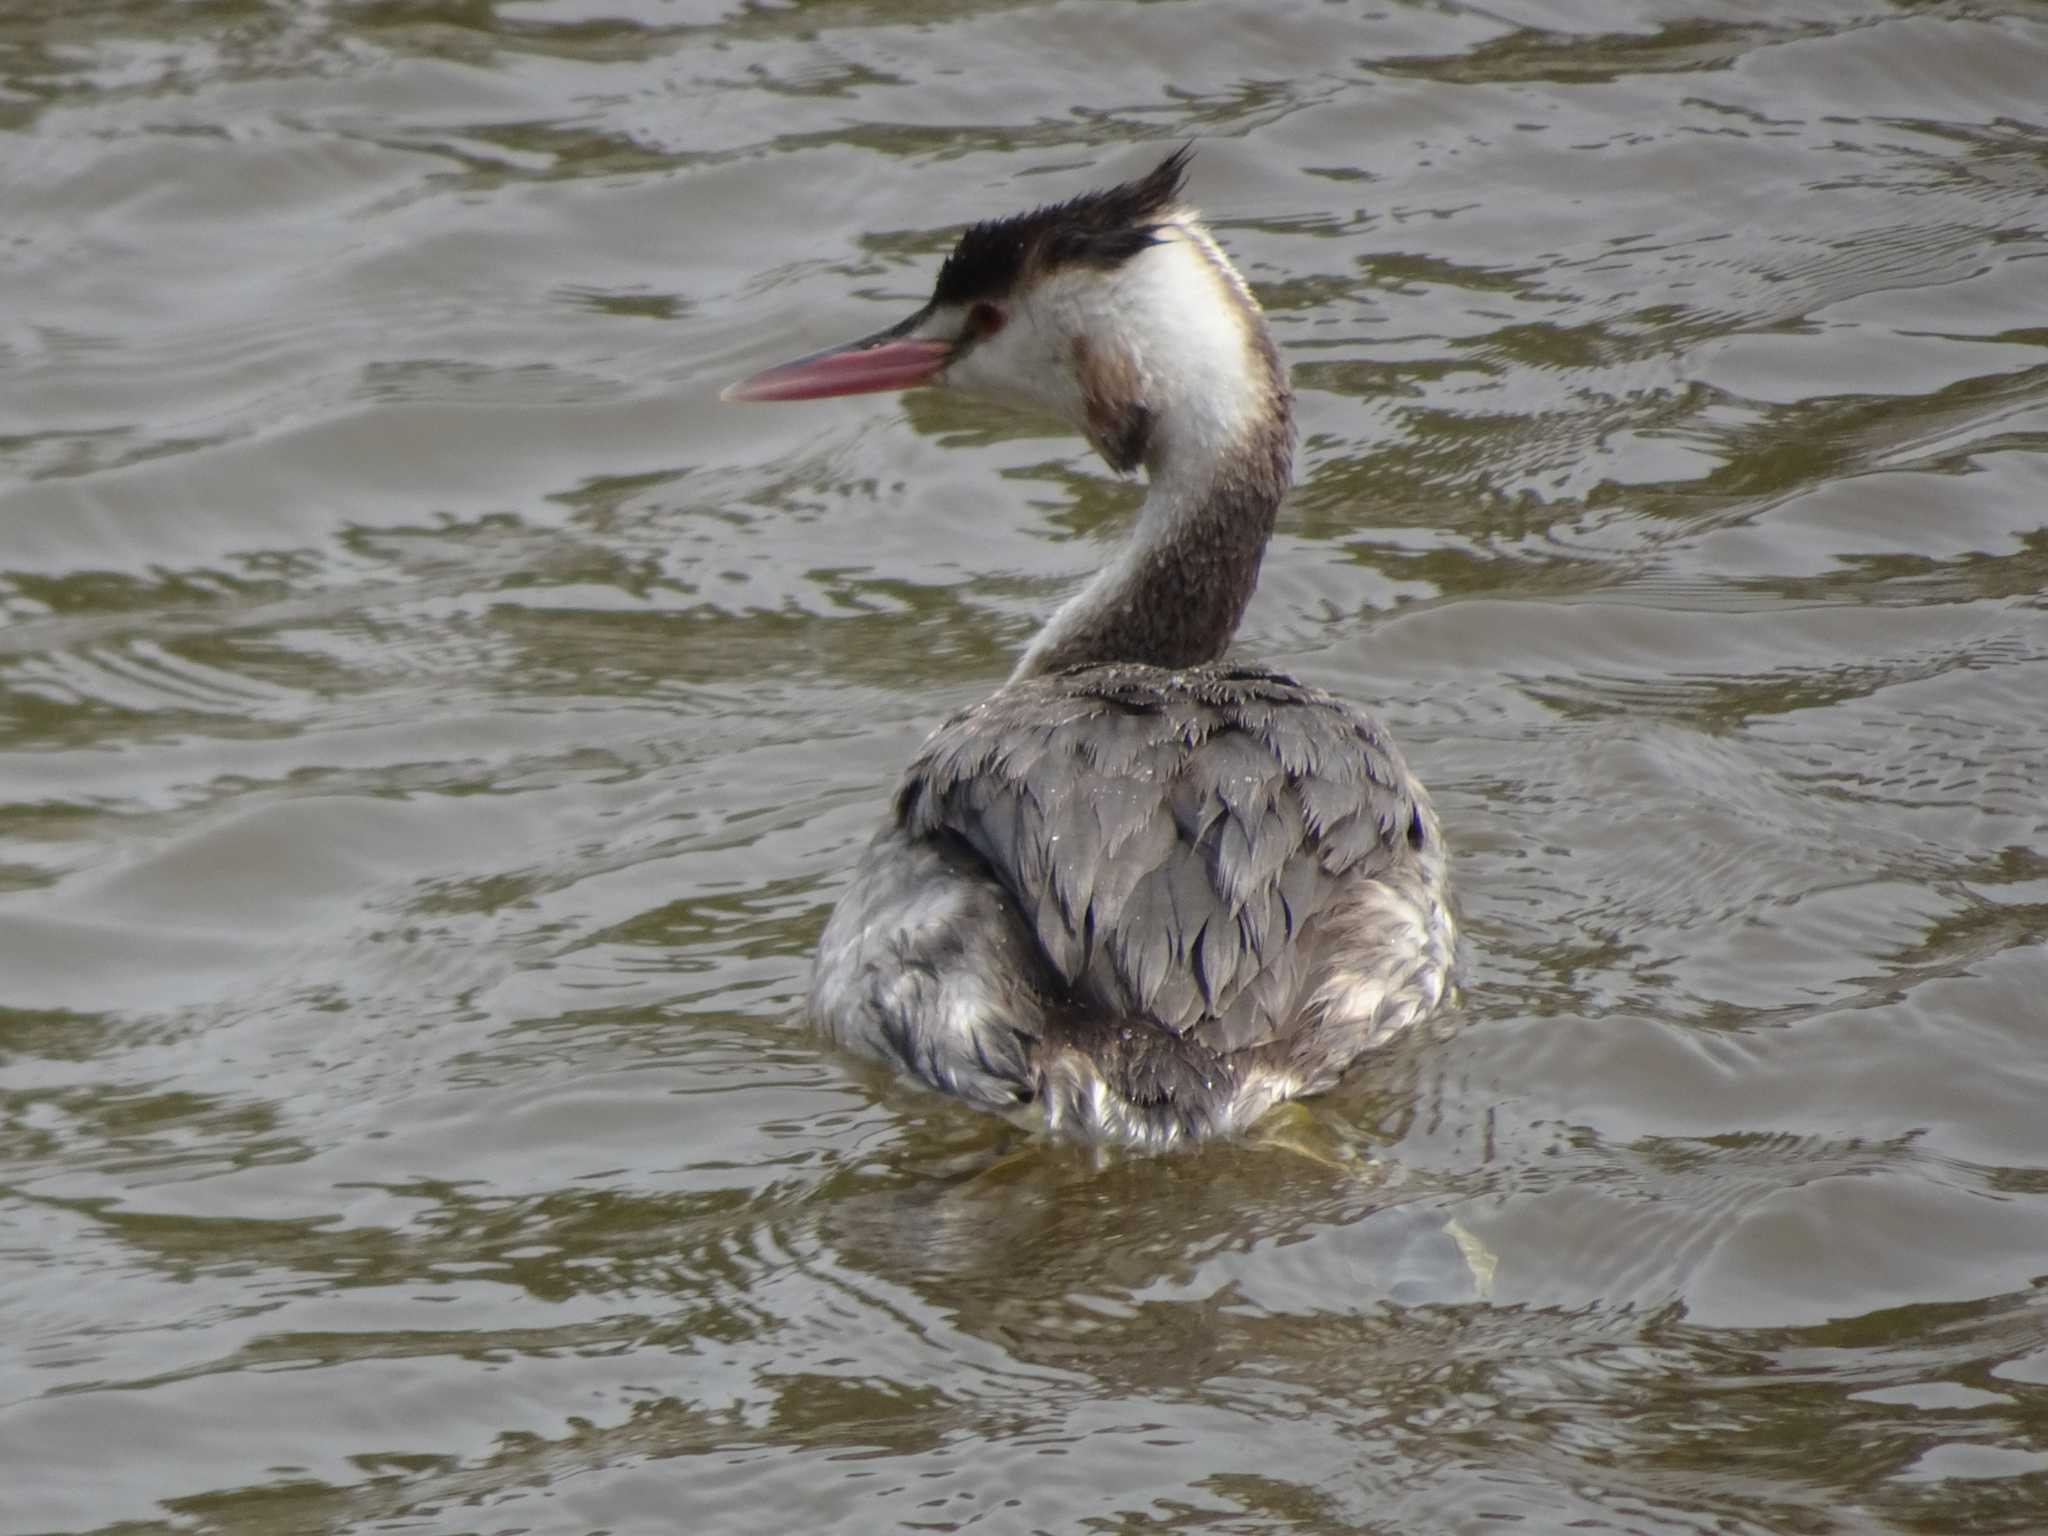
1208, 412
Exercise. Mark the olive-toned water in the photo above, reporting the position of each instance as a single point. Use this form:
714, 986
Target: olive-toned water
433, 729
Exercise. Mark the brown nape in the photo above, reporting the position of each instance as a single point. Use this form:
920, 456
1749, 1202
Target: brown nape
1119, 423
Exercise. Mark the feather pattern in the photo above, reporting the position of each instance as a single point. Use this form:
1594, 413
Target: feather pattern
1138, 895
1165, 869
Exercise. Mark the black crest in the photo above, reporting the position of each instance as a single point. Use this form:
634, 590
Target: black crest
1097, 229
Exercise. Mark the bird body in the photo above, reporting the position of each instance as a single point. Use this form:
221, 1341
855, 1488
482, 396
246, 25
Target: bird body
1139, 894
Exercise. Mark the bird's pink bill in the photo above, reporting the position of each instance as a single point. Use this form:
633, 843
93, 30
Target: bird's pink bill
859, 369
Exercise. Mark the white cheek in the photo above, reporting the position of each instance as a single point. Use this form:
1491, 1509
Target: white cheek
1026, 365
1173, 317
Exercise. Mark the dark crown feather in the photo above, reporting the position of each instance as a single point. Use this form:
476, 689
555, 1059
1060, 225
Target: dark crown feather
1097, 229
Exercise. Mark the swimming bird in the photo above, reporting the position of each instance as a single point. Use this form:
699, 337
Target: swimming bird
1140, 894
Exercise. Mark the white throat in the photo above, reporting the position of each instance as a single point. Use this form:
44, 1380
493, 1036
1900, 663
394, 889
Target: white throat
1183, 314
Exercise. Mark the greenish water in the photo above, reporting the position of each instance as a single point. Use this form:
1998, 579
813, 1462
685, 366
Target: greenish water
433, 729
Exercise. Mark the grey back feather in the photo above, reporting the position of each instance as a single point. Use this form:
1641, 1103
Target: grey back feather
1172, 839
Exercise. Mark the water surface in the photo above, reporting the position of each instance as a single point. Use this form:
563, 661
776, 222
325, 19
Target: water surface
433, 729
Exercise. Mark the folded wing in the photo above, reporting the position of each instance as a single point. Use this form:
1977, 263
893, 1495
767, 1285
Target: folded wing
1173, 840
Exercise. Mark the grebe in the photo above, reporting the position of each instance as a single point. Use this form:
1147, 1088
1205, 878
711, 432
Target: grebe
1139, 895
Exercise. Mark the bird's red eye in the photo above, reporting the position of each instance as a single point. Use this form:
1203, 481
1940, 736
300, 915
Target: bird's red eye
985, 320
